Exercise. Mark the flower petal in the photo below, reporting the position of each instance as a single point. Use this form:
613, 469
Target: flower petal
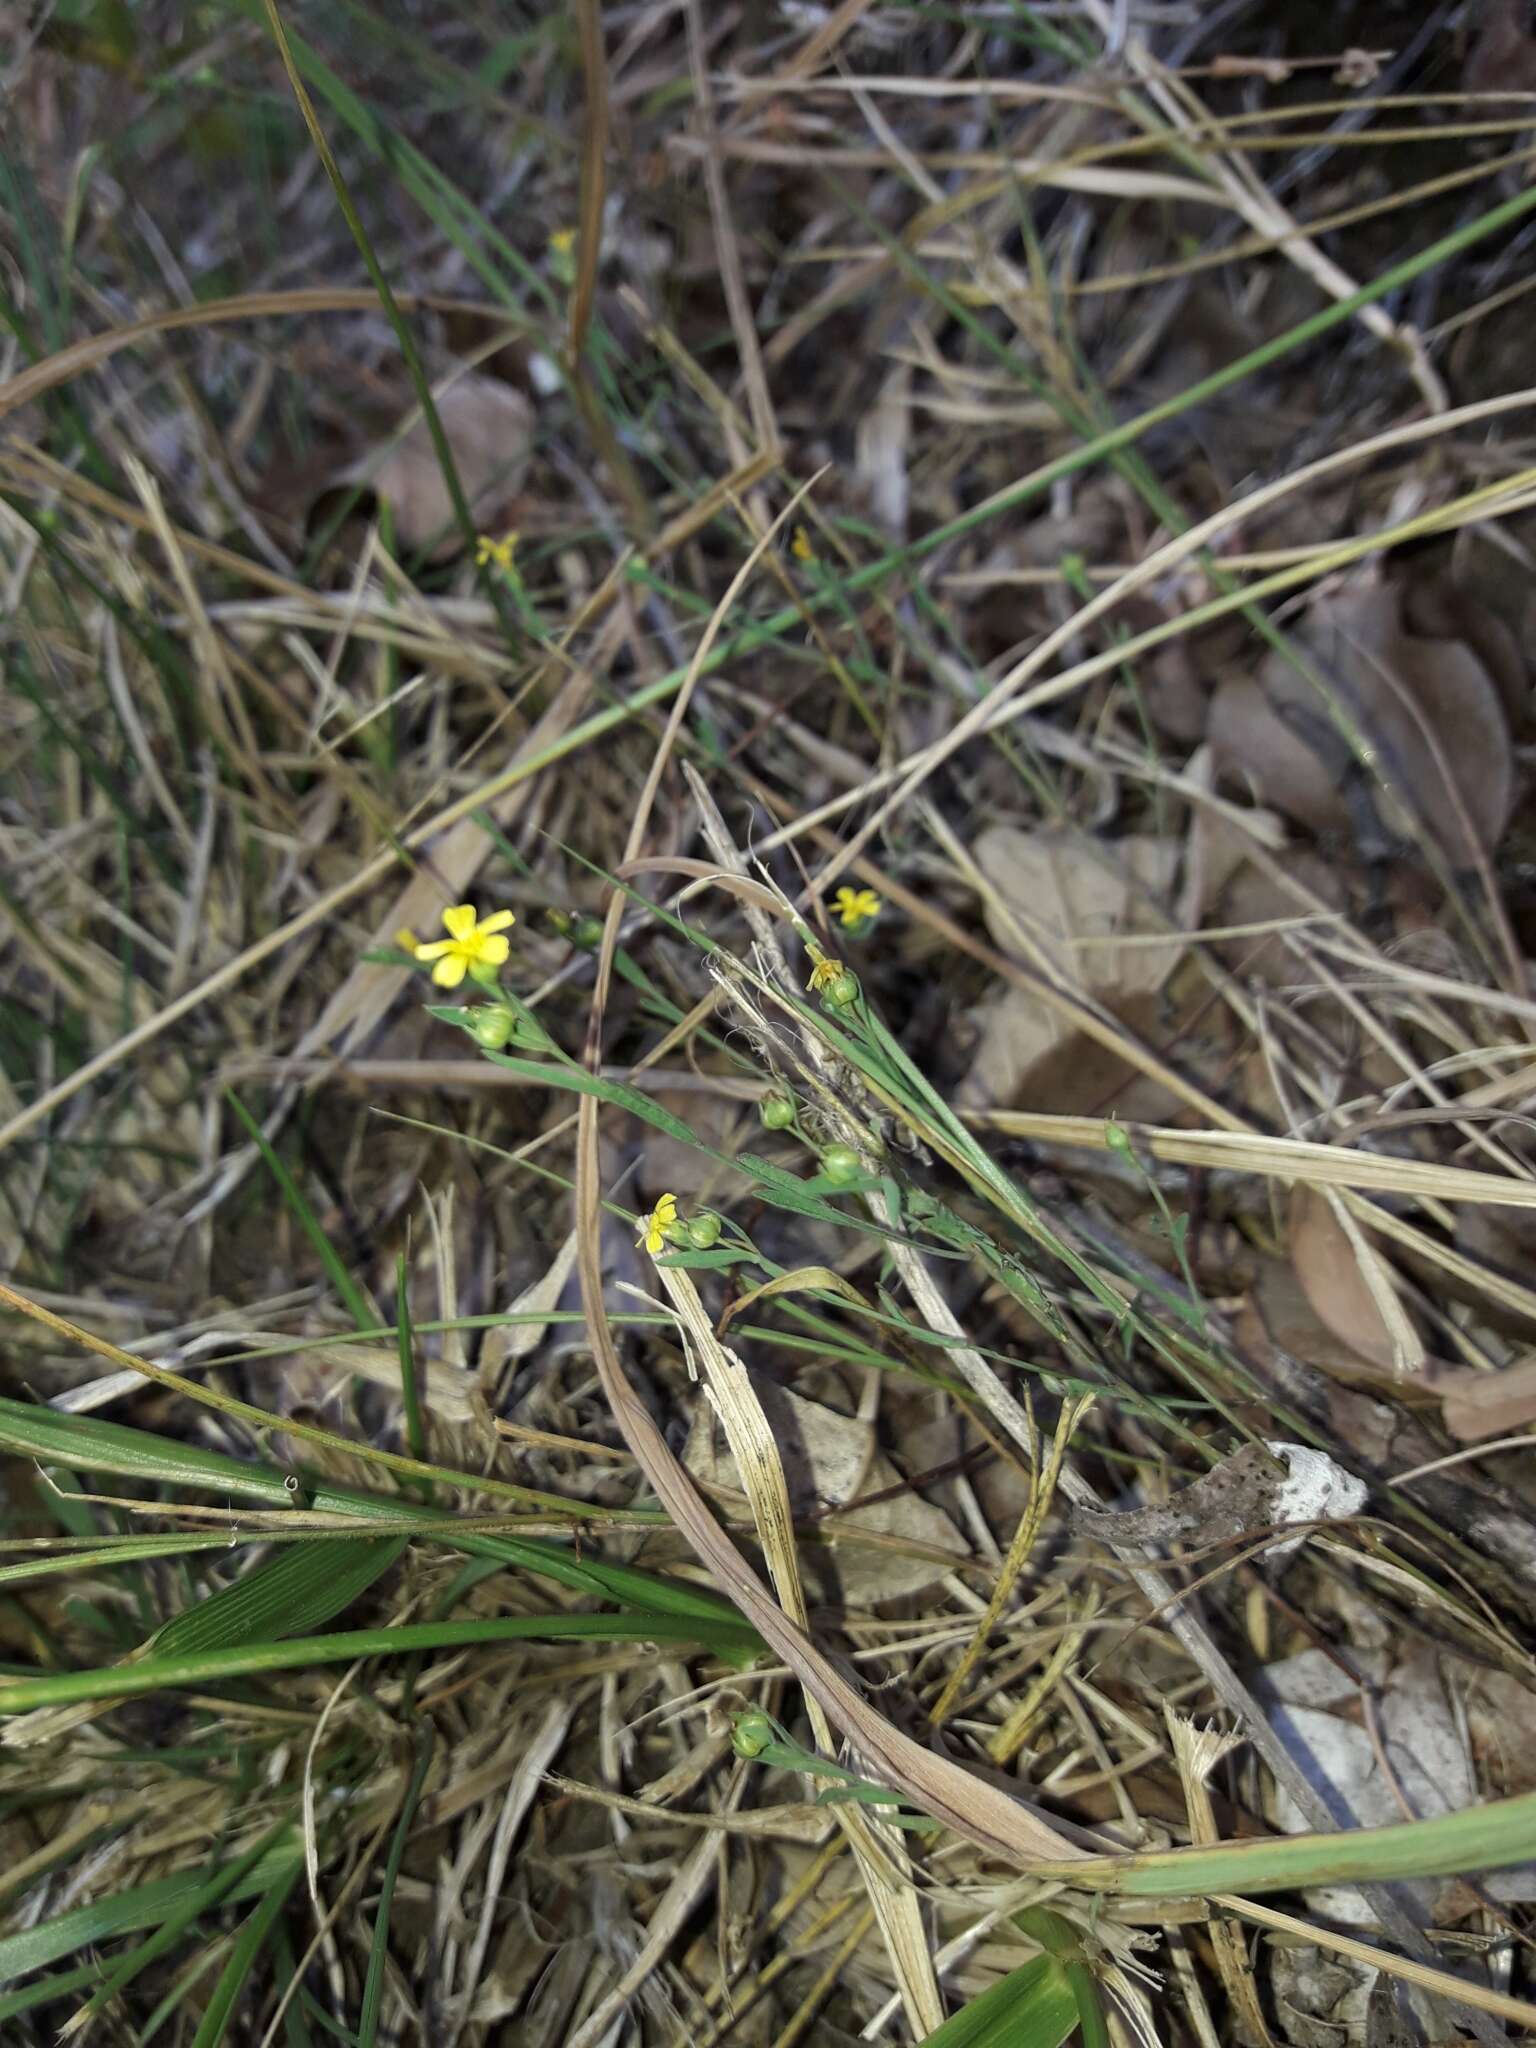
434, 949
459, 920
449, 971
498, 921
492, 951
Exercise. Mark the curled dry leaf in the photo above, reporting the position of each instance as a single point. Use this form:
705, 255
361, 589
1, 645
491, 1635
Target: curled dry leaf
1427, 710
488, 427
1332, 1267
1262, 1486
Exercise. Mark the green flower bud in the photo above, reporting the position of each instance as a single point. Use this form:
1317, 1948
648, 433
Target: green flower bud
777, 1112
752, 1734
842, 991
490, 1025
704, 1230
1118, 1140
841, 1165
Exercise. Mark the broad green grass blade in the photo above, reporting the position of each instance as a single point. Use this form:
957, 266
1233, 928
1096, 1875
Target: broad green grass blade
85, 1443
210, 1667
1032, 2007
129, 1911
415, 1431
300, 1589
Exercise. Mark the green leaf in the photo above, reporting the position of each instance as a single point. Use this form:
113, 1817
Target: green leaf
223, 1883
1032, 2007
296, 1591
45, 1989
378, 1953
212, 1667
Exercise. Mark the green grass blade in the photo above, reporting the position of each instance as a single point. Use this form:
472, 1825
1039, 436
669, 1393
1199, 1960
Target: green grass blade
132, 1910
410, 1393
1489, 1837
46, 1989
242, 1960
221, 1884
210, 1667
1032, 2007
378, 1953
359, 1307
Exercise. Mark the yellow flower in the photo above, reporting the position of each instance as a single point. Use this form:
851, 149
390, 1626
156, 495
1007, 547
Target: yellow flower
406, 939
824, 971
471, 942
562, 241
497, 551
653, 1228
855, 905
800, 547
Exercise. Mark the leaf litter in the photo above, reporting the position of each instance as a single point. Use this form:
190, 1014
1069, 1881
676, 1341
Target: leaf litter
1277, 891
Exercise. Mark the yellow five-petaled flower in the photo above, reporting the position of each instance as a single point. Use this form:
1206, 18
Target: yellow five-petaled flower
654, 1228
855, 905
498, 551
472, 941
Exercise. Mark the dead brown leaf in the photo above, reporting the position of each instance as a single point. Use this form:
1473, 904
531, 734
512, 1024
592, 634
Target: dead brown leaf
1258, 1488
1427, 710
1336, 1281
1478, 1405
1077, 903
1067, 908
488, 426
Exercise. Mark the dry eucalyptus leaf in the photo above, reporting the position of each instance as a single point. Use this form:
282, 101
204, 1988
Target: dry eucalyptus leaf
1427, 710
488, 427
1277, 1316
1453, 608
1063, 895
1261, 1487
1329, 1266
1074, 901
830, 1459
1478, 1405
1026, 1052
